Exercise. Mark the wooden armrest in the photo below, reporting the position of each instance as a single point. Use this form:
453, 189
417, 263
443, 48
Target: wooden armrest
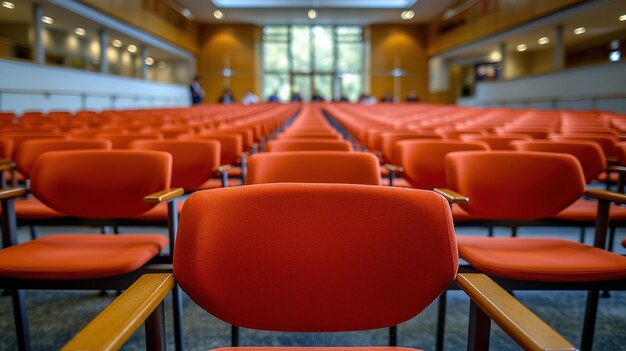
113, 326
607, 195
5, 166
452, 196
222, 169
393, 168
8, 193
528, 330
163, 195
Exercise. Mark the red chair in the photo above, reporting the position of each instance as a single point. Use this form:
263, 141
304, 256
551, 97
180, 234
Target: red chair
94, 187
307, 145
313, 167
331, 263
550, 183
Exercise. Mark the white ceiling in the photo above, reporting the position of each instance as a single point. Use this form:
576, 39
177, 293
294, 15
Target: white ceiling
356, 12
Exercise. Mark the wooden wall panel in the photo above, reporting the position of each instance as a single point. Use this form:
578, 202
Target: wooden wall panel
235, 45
133, 13
392, 45
508, 14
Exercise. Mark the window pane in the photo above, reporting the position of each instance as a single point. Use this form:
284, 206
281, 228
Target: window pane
352, 86
324, 48
350, 57
275, 33
275, 58
301, 48
276, 84
324, 86
302, 85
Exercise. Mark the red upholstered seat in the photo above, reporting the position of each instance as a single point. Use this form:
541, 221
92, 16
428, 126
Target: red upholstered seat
79, 256
541, 259
586, 210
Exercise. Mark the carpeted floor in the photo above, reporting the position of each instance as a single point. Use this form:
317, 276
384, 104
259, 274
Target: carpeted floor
56, 316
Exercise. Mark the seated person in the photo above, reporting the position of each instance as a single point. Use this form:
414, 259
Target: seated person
227, 97
316, 96
296, 97
249, 98
274, 97
412, 96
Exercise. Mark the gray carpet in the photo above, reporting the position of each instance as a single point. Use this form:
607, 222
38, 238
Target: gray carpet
56, 316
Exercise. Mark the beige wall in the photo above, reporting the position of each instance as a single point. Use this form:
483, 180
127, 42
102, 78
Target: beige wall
237, 45
392, 45
520, 64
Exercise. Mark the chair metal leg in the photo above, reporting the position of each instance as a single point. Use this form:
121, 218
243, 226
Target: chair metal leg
591, 313
33, 232
234, 335
611, 239
21, 320
393, 335
479, 329
441, 321
155, 329
177, 302
513, 232
582, 235
490, 232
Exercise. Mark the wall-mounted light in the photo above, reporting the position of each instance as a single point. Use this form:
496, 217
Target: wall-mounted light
543, 40
162, 64
407, 15
580, 30
522, 47
218, 14
9, 5
80, 31
47, 20
312, 14
116, 43
186, 13
622, 17
131, 48
149, 61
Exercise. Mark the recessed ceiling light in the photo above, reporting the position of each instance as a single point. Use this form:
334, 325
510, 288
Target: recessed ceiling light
149, 61
522, 47
312, 14
621, 18
615, 56
186, 13
407, 15
9, 5
117, 43
162, 64
218, 14
614, 44
80, 31
132, 48
47, 20
543, 40
580, 30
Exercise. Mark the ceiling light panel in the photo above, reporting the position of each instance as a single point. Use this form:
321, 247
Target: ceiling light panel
380, 4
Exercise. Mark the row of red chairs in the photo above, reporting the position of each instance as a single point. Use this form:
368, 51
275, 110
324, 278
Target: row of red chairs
343, 200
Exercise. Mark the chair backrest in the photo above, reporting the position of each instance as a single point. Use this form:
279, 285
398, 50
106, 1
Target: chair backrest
390, 141
423, 160
100, 184
31, 150
6, 148
296, 135
510, 185
497, 142
123, 141
231, 145
313, 167
606, 142
588, 153
321, 257
193, 160
307, 145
